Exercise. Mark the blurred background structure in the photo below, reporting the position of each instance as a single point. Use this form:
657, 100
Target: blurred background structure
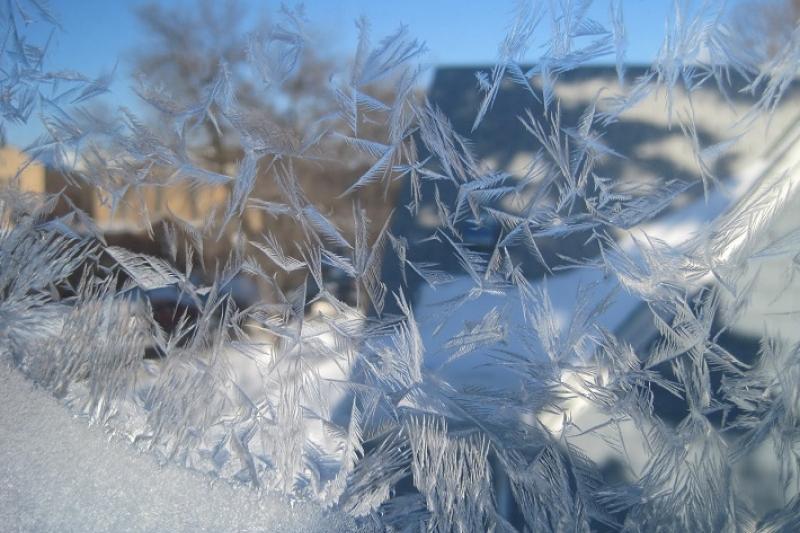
186, 57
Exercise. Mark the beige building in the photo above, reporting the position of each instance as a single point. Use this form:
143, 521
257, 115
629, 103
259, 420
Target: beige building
30, 177
193, 205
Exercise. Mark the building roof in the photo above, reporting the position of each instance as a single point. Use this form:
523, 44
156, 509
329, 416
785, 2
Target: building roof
649, 137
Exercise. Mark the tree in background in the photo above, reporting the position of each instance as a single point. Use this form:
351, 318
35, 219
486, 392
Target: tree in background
765, 26
278, 103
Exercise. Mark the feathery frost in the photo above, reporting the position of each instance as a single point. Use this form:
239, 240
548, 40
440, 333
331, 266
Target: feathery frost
320, 369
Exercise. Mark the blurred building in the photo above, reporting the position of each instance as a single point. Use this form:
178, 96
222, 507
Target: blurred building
31, 177
192, 205
649, 136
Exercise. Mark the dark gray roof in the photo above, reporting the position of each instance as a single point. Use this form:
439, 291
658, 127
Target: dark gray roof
649, 137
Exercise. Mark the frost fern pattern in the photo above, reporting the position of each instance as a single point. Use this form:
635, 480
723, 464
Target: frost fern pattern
496, 406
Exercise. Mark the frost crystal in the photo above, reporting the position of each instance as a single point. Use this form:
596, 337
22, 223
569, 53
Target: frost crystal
538, 304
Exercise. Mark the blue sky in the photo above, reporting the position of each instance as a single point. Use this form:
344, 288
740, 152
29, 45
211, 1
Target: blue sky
99, 34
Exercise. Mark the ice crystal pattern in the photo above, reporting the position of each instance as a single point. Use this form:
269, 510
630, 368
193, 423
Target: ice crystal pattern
406, 421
